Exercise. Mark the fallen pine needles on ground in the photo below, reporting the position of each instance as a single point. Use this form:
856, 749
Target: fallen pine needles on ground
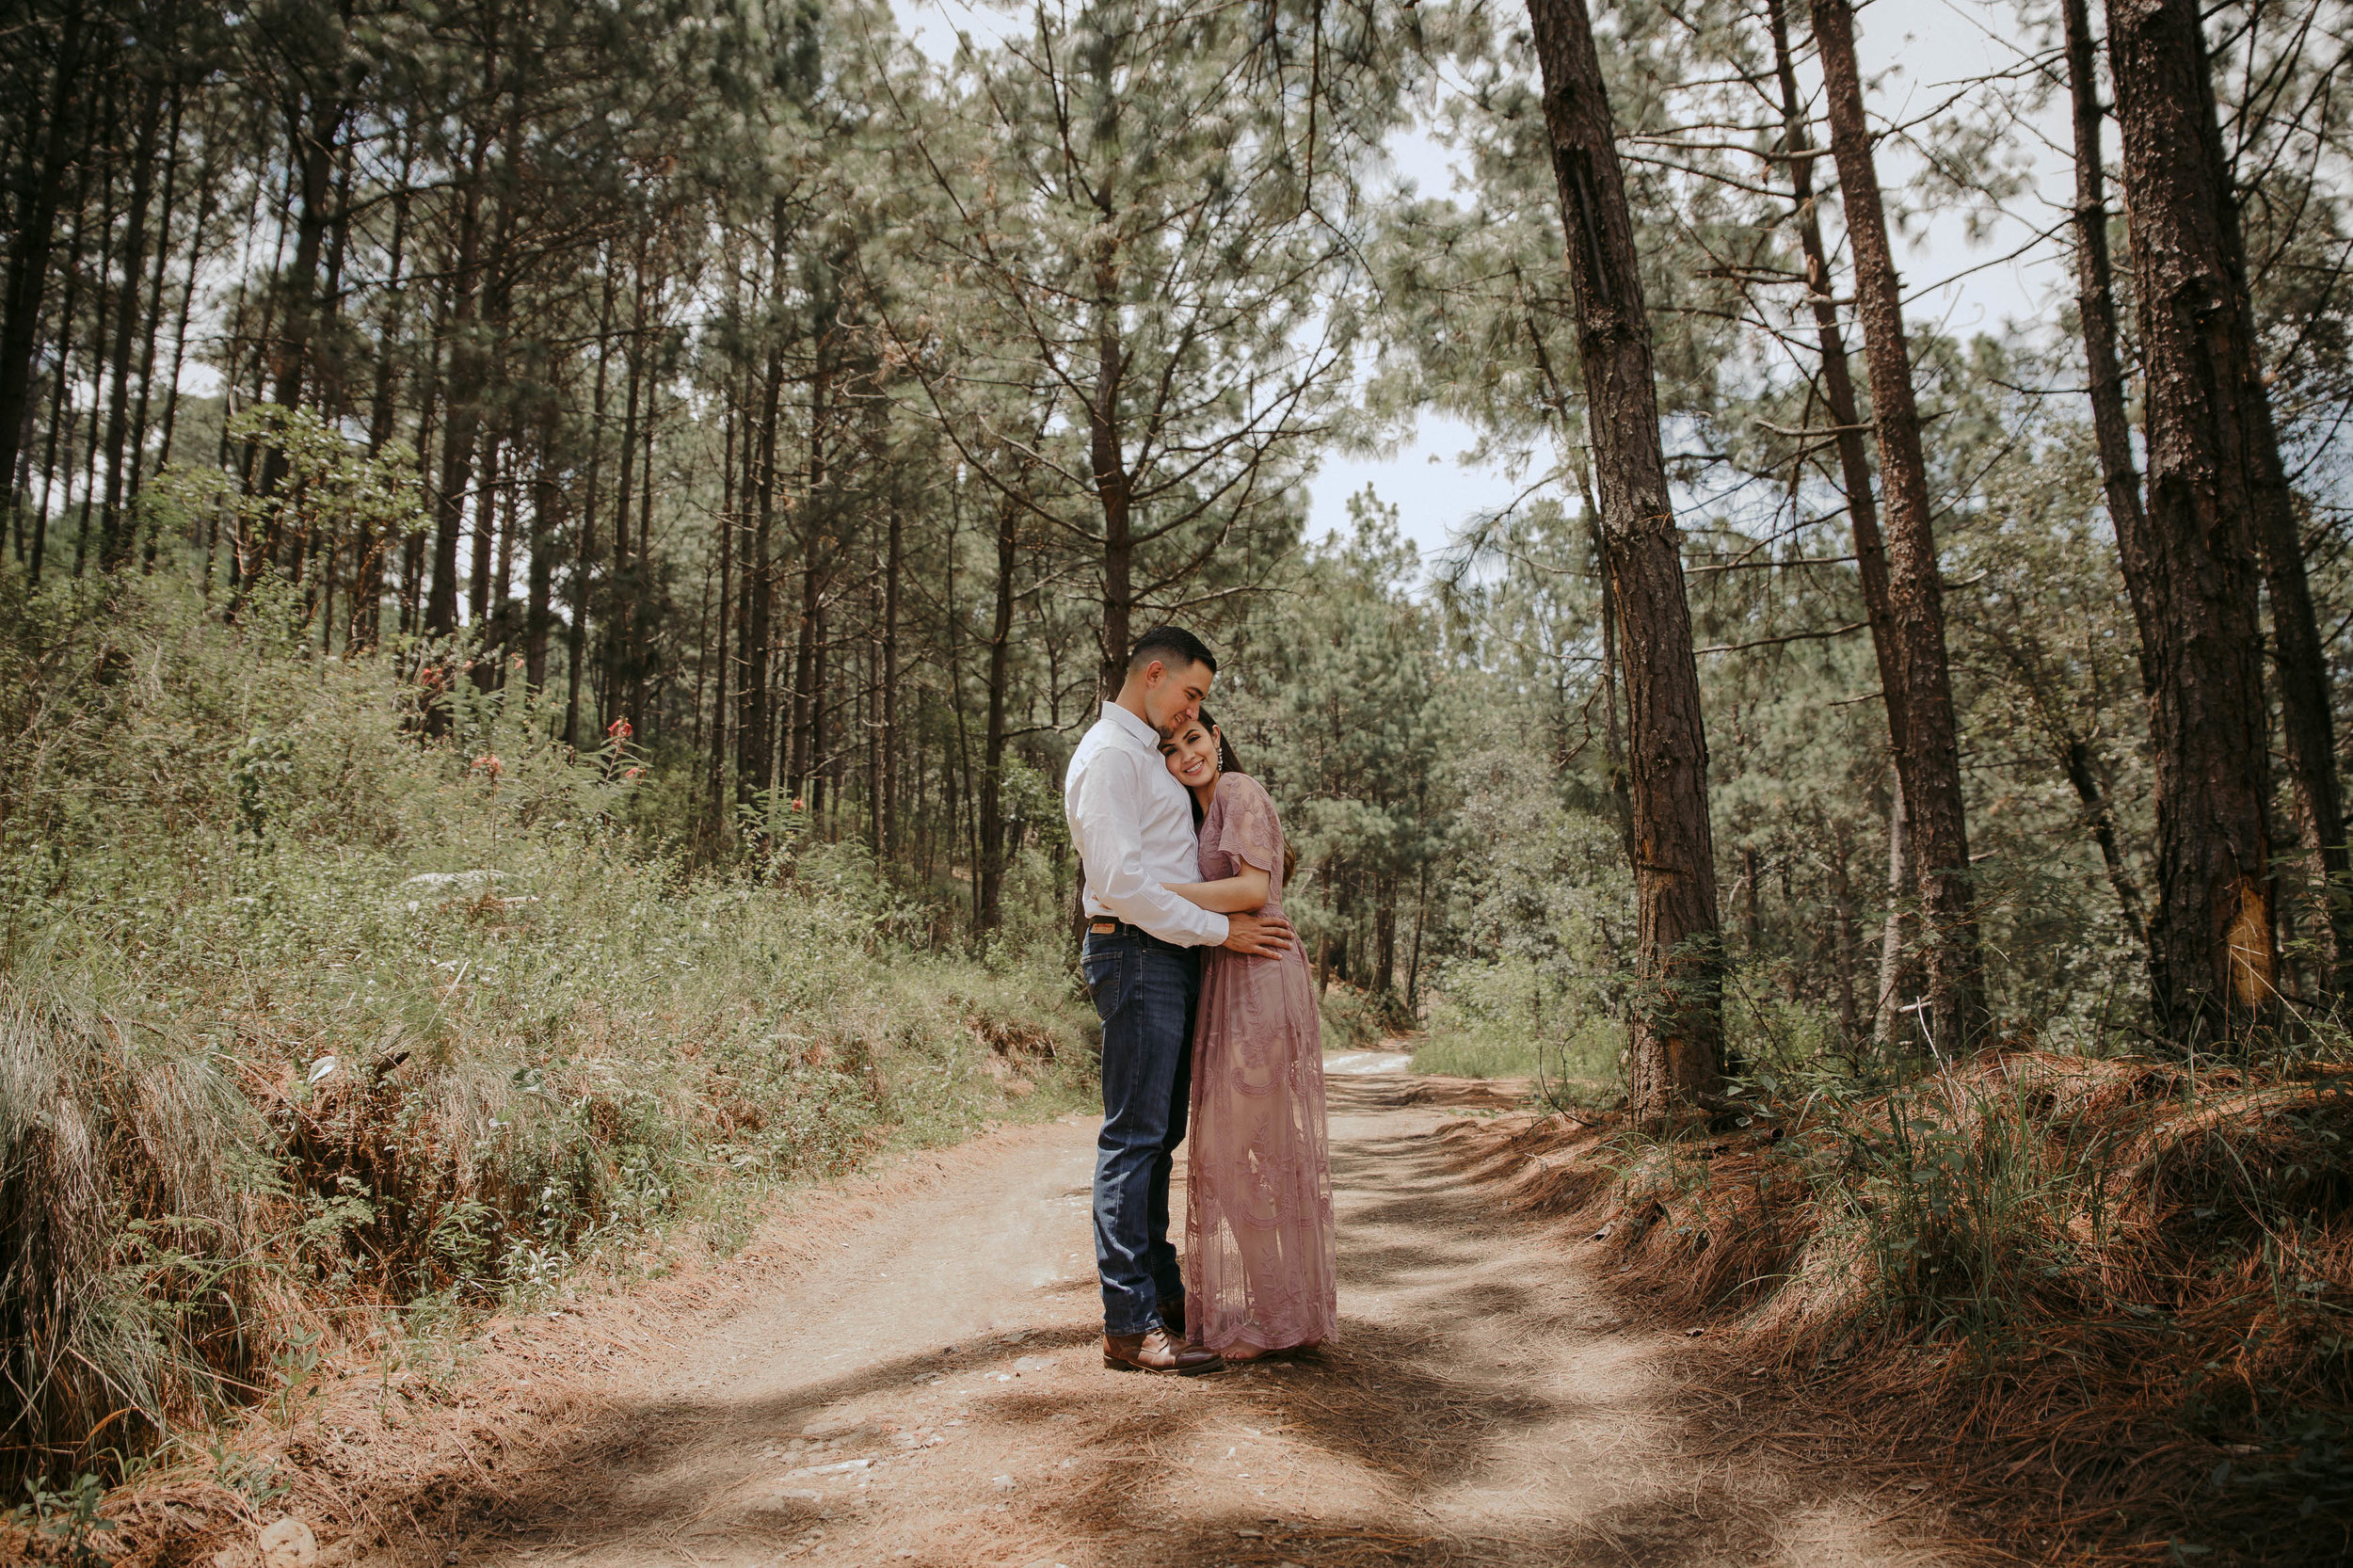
2111, 1300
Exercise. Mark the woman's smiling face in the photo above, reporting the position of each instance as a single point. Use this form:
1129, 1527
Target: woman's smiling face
1191, 754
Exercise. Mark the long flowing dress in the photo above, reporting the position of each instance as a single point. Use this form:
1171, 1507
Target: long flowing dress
1259, 1242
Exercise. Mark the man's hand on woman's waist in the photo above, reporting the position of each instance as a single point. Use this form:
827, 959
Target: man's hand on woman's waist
1259, 935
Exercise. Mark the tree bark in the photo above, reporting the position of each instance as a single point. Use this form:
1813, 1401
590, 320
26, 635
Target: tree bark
892, 565
584, 557
1113, 484
1677, 1032
805, 653
312, 145
2307, 716
462, 395
621, 599
547, 507
990, 873
155, 319
2190, 567
102, 300
730, 500
1896, 968
57, 135
2111, 428
58, 407
1838, 396
755, 755
1928, 752
2307, 712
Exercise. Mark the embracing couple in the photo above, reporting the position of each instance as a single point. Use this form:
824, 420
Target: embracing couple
1209, 1016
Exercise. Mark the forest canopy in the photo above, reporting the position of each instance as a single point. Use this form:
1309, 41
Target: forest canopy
817, 419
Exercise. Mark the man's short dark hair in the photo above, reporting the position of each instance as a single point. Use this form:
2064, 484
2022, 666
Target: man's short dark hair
1173, 646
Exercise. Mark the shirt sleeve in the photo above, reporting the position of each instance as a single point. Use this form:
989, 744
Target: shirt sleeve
1111, 842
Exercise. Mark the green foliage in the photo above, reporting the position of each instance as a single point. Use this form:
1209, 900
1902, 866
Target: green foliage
300, 1010
69, 1518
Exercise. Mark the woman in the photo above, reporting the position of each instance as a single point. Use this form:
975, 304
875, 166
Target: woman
1258, 1264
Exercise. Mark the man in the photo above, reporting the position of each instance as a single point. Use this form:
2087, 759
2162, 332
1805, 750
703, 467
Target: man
1132, 822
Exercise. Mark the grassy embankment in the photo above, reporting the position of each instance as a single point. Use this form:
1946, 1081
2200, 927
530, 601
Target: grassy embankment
2112, 1299
317, 1037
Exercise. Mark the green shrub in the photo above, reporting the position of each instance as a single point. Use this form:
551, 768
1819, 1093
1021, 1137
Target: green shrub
1513, 1018
299, 1009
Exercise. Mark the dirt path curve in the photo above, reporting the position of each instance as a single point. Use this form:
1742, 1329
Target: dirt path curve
924, 1387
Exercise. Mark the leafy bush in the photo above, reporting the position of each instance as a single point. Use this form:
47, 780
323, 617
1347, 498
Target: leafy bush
1513, 1017
300, 1010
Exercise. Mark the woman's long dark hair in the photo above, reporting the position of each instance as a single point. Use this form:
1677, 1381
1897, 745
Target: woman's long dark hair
1228, 761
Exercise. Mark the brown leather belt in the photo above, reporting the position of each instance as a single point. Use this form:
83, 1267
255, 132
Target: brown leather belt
1102, 925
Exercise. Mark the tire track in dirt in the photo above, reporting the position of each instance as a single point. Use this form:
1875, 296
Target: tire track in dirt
923, 1386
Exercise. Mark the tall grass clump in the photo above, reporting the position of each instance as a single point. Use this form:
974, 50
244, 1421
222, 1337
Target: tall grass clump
2122, 1285
307, 1019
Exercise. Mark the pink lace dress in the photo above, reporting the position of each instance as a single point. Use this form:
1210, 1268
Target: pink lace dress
1259, 1249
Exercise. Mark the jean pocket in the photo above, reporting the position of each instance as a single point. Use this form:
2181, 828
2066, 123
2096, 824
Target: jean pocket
1110, 977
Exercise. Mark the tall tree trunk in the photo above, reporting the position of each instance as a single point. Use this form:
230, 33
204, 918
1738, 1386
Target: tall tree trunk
1677, 1032
1890, 1027
205, 195
1838, 396
1843, 936
58, 405
621, 606
2307, 714
583, 561
1928, 750
2307, 717
990, 873
2120, 480
2191, 567
755, 752
1113, 483
805, 653
730, 522
892, 566
1854, 473
483, 584
1612, 737
367, 604
52, 143
314, 148
539, 615
103, 300
462, 396
153, 315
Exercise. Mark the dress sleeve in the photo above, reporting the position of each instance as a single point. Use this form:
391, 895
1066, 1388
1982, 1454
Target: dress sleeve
1248, 830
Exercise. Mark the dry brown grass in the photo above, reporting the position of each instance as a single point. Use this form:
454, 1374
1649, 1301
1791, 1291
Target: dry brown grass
2113, 1308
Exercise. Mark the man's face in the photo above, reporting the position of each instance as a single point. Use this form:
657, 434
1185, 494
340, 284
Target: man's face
1173, 698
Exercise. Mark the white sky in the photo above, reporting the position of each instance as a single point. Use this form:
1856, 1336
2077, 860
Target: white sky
1910, 49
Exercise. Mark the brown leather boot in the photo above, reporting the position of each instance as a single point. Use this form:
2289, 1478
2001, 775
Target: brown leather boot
1171, 1316
1155, 1352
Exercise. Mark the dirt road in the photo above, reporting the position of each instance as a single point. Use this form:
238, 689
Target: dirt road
921, 1384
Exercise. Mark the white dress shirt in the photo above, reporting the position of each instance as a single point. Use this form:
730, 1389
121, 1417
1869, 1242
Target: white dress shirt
1132, 822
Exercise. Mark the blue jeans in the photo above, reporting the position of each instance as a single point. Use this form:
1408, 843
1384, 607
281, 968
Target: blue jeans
1144, 992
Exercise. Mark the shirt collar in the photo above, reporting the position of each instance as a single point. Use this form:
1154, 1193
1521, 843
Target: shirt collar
1133, 727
